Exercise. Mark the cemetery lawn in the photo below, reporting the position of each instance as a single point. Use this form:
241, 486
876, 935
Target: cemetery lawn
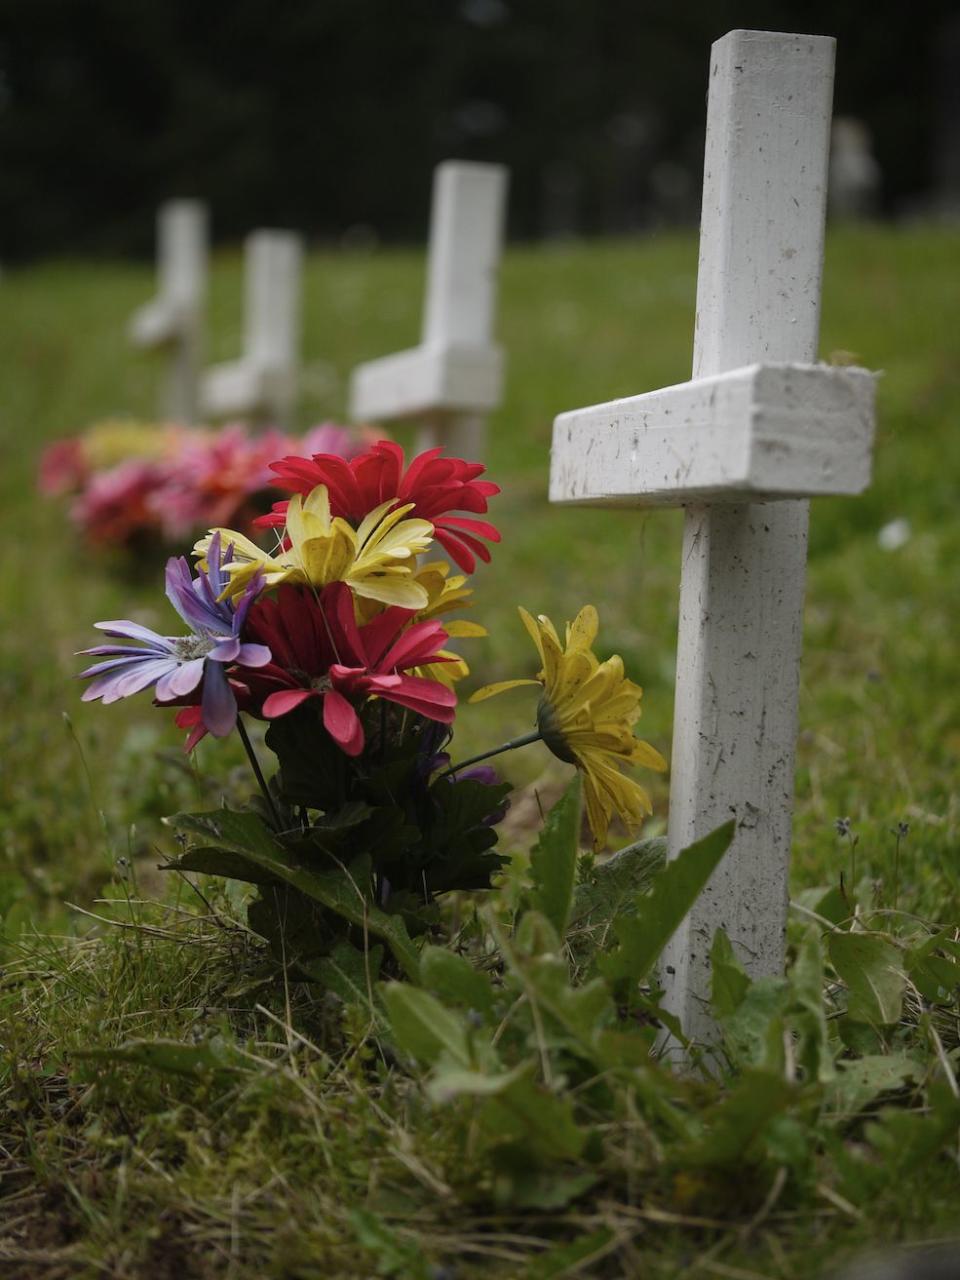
262, 1133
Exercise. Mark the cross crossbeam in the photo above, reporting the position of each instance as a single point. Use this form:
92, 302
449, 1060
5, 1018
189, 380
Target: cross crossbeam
767, 431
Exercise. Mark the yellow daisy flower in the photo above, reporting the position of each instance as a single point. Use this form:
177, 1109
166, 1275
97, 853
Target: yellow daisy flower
585, 716
378, 559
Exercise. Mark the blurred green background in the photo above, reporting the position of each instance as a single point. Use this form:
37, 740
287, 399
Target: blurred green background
880, 707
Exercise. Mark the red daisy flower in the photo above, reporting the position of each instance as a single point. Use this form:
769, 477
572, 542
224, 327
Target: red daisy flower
319, 651
436, 486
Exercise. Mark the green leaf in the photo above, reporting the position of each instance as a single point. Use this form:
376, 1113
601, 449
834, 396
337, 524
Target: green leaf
344, 891
542, 1122
212, 1057
211, 861
424, 1028
753, 1033
643, 936
614, 884
857, 1083
808, 1016
395, 1256
871, 967
729, 982
562, 1259
553, 861
455, 980
737, 1125
349, 974
450, 1082
934, 976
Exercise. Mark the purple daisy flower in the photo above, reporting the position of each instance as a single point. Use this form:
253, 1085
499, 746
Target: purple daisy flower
175, 665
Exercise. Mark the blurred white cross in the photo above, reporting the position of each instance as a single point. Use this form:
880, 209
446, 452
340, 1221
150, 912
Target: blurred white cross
174, 319
262, 384
454, 378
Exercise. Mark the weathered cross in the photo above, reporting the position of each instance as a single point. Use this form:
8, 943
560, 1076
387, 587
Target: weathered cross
174, 319
454, 378
760, 422
262, 384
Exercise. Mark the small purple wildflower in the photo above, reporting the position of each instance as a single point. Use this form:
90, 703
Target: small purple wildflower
175, 665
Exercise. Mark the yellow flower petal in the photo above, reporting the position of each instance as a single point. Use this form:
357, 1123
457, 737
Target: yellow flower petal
586, 716
464, 629
490, 690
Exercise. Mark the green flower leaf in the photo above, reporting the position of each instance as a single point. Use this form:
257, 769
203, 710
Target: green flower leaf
872, 968
553, 862
658, 916
344, 890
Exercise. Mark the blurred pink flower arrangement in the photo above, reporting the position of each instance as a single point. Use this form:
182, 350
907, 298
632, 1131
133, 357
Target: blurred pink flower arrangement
133, 482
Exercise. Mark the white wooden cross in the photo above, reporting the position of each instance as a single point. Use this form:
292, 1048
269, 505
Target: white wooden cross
455, 377
262, 384
760, 421
174, 319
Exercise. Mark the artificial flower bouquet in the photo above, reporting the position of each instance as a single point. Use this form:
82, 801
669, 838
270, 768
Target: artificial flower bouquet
135, 484
337, 637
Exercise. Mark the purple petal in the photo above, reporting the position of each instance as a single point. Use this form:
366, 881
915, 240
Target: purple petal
112, 664
131, 650
225, 650
184, 680
134, 631
106, 683
254, 655
195, 612
254, 588
215, 577
140, 677
218, 704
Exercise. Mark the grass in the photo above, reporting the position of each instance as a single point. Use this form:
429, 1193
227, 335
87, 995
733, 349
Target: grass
309, 1155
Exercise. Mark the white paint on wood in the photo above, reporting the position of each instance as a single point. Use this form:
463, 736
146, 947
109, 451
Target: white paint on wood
173, 320
263, 383
763, 432
455, 376
759, 417
744, 566
430, 379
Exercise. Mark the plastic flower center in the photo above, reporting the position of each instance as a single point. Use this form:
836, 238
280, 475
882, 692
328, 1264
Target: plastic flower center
321, 684
551, 730
187, 648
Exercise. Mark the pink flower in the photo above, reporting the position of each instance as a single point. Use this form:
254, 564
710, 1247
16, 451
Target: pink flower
62, 468
319, 651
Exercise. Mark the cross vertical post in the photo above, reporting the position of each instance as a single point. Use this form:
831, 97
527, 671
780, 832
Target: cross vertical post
452, 380
174, 319
263, 382
466, 240
744, 564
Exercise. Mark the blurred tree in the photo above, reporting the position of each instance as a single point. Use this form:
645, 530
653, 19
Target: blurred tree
329, 115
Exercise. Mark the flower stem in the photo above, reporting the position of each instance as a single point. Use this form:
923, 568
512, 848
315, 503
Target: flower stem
255, 765
527, 738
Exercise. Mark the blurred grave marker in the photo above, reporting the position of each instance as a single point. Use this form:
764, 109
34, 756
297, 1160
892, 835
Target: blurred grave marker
262, 384
854, 172
173, 320
758, 429
455, 377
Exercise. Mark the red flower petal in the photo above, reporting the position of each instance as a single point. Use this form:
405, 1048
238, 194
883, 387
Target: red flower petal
342, 723
287, 700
